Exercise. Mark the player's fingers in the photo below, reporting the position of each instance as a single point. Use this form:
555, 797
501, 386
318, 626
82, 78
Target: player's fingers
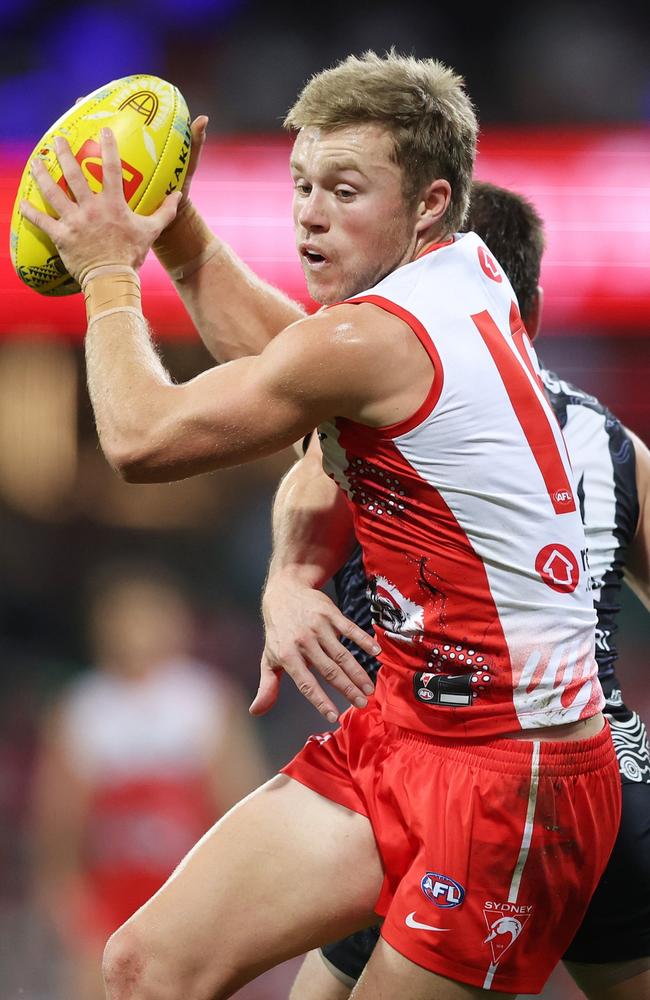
165, 213
337, 671
309, 687
71, 170
112, 180
40, 219
52, 193
268, 690
356, 635
348, 663
198, 128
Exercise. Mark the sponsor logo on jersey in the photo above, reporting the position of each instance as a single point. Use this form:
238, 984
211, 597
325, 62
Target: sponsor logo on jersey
450, 690
505, 922
489, 265
442, 890
558, 568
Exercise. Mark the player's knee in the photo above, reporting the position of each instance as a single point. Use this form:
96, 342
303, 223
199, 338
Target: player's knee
137, 968
122, 965
131, 970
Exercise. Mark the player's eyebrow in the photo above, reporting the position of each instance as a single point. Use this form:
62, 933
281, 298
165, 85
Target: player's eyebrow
331, 166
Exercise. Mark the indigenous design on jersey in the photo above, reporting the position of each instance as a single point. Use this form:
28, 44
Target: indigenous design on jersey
453, 507
630, 739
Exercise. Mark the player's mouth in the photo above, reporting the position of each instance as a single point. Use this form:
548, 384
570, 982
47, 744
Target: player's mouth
313, 257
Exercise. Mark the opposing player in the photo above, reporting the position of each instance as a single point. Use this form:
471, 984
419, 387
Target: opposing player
464, 506
610, 954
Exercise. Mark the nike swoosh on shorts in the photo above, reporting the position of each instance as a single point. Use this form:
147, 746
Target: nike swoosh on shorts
410, 921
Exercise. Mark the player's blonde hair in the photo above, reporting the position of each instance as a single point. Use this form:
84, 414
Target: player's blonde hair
421, 102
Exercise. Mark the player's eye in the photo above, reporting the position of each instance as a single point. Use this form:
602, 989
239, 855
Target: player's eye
344, 193
302, 187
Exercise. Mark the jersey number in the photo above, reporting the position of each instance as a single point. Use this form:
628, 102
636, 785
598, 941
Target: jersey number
528, 408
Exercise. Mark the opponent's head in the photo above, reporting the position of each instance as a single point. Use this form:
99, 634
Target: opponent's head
403, 132
139, 618
513, 230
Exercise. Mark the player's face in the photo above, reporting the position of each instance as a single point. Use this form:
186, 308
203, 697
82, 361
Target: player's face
351, 221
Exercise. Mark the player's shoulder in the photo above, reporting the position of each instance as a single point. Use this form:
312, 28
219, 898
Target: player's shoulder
347, 328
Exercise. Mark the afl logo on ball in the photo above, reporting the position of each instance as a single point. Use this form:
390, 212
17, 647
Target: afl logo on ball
558, 568
442, 890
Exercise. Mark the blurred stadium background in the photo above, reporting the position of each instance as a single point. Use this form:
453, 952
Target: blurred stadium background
563, 93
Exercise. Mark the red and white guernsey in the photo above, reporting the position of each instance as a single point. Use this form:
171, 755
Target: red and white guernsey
467, 518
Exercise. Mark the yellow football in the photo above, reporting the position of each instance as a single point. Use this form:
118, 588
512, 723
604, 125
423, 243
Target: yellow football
152, 126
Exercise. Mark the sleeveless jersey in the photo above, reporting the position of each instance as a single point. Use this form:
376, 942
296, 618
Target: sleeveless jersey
466, 514
144, 748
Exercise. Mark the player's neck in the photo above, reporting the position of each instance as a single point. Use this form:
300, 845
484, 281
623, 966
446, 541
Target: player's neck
432, 241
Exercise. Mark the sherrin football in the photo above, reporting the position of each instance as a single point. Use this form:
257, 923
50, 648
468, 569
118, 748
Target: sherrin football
152, 127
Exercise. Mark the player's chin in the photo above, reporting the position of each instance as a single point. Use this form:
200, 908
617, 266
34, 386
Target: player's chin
325, 291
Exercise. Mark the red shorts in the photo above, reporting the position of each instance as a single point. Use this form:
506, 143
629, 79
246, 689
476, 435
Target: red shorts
491, 849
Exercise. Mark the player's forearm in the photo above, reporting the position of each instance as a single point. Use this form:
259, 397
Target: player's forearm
128, 387
312, 526
234, 311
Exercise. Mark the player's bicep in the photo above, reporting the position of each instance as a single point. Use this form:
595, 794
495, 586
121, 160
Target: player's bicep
240, 411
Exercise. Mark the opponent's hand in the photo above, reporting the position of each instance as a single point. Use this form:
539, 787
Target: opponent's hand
95, 228
198, 129
303, 628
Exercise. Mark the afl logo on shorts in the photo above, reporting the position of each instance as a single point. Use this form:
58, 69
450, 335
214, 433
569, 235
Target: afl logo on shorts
558, 568
442, 890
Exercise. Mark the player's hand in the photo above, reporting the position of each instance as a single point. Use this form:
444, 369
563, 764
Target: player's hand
303, 629
95, 228
198, 129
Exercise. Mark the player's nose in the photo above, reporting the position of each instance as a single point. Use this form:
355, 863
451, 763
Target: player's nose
312, 213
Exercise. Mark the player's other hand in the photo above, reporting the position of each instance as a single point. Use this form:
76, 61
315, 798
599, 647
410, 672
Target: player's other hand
198, 128
303, 629
95, 228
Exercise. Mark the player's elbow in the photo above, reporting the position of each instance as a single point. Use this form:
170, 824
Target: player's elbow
136, 458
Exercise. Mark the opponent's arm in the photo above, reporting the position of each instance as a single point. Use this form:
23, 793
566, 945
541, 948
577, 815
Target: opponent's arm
235, 312
637, 569
312, 537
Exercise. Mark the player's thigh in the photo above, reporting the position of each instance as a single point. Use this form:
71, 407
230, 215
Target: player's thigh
286, 868
316, 981
613, 980
388, 975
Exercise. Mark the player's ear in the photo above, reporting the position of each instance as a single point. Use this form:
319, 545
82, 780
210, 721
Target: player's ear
433, 204
533, 320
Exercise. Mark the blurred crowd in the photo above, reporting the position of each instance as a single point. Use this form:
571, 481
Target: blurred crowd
242, 61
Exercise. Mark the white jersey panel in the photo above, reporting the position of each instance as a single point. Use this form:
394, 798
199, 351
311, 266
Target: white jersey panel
493, 455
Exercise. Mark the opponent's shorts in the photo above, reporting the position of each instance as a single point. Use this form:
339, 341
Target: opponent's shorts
491, 849
616, 927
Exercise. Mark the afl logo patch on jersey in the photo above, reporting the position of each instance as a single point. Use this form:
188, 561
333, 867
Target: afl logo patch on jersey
558, 568
442, 890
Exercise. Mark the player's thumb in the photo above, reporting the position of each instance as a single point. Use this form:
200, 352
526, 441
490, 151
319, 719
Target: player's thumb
268, 690
166, 213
